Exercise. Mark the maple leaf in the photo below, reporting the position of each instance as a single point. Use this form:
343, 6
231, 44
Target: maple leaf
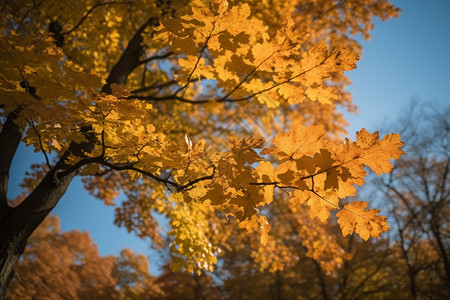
376, 153
299, 141
243, 149
355, 218
323, 159
244, 202
286, 172
324, 94
319, 207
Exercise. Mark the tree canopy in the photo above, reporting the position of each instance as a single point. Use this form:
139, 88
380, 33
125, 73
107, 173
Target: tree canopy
303, 258
208, 112
67, 265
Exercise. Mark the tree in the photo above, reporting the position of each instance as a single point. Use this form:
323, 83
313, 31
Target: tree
144, 107
67, 265
59, 265
182, 285
310, 260
417, 192
133, 280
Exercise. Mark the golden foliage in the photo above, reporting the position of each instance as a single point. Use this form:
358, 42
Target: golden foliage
210, 69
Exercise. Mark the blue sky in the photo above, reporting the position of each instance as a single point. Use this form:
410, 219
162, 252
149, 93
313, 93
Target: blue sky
406, 58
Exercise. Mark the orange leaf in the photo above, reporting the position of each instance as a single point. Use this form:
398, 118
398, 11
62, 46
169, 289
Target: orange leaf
377, 153
299, 141
355, 218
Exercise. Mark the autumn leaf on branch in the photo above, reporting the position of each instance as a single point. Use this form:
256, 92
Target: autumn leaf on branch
376, 153
237, 50
354, 217
321, 173
173, 108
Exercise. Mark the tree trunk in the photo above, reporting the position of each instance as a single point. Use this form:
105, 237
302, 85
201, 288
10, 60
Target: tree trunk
278, 287
10, 137
18, 223
322, 282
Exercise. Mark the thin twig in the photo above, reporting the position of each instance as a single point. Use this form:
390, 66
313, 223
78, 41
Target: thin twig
155, 85
175, 97
90, 11
275, 85
245, 78
197, 62
170, 98
155, 57
41, 145
191, 183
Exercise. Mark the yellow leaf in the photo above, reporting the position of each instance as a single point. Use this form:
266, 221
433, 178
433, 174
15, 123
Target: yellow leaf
377, 153
299, 141
265, 171
267, 100
323, 94
320, 206
257, 222
355, 218
265, 228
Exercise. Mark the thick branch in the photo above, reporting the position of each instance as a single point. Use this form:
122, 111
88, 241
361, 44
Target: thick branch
130, 58
17, 224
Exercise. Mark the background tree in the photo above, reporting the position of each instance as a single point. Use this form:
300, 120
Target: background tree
62, 265
133, 280
67, 265
195, 72
418, 194
408, 263
329, 267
